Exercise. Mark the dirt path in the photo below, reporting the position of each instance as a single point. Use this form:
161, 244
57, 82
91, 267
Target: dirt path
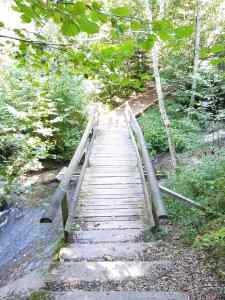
141, 102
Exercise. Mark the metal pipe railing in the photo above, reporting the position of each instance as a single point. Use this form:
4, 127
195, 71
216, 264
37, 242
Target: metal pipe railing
158, 205
187, 201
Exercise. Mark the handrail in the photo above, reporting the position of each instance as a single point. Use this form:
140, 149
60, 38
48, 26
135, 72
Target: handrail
188, 201
158, 205
149, 207
60, 192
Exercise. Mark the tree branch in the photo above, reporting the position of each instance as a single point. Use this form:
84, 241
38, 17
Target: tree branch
29, 41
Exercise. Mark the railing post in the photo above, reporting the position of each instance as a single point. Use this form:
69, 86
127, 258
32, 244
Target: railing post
65, 214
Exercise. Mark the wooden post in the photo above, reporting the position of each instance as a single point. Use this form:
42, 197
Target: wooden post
65, 214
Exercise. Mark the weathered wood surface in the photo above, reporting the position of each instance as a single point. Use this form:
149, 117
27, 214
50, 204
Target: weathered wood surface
107, 226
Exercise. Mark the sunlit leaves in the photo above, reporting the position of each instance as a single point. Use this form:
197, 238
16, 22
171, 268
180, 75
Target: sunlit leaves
87, 26
69, 28
136, 25
79, 8
163, 28
128, 47
184, 31
122, 11
148, 43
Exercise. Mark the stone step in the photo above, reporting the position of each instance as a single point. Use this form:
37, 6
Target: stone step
110, 224
106, 251
107, 236
80, 295
107, 271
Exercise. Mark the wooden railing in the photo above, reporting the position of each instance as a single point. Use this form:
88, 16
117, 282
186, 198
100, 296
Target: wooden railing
61, 198
155, 202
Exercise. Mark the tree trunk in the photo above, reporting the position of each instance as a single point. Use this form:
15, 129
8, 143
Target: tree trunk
155, 59
196, 52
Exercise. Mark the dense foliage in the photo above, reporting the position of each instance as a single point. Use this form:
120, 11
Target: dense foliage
42, 118
203, 181
185, 131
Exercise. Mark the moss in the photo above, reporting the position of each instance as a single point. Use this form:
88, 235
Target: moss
60, 244
40, 295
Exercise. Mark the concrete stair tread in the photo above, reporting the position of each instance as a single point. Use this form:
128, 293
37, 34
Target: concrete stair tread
106, 251
110, 224
80, 295
107, 236
105, 271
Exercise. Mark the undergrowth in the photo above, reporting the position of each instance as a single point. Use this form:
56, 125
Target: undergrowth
203, 182
185, 131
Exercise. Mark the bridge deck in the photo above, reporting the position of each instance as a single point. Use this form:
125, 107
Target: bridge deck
107, 241
111, 196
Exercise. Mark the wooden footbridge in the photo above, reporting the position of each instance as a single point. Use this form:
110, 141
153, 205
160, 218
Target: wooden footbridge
109, 196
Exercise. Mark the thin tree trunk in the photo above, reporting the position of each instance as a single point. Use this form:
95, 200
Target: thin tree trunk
155, 59
196, 51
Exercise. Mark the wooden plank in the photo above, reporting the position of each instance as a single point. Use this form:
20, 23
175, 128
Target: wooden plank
131, 201
116, 160
114, 180
110, 205
111, 191
113, 186
99, 174
114, 168
116, 164
84, 197
108, 218
110, 212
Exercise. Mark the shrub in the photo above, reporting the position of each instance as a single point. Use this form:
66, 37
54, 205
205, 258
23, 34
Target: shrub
185, 132
42, 117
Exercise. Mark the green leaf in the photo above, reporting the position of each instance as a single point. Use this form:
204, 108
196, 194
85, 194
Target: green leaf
128, 47
88, 26
184, 31
218, 48
26, 18
69, 28
163, 28
97, 16
23, 47
148, 43
96, 5
122, 11
79, 8
217, 61
135, 25
2, 24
